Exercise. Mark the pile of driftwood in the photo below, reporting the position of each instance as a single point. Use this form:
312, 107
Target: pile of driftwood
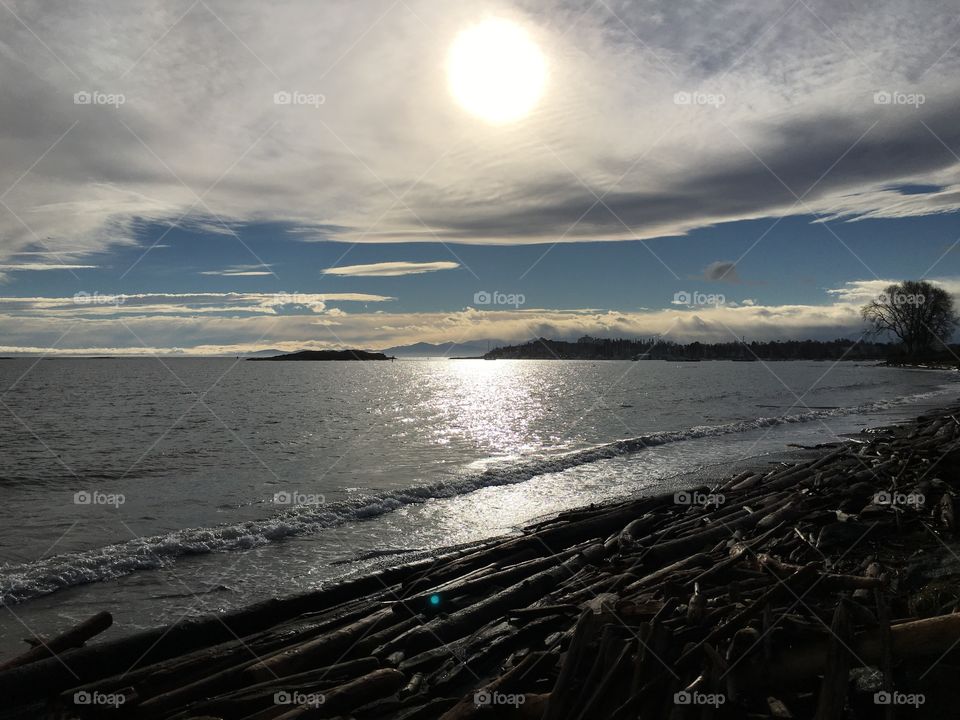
825, 588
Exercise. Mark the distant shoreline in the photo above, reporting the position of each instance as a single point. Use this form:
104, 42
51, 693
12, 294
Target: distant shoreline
736, 350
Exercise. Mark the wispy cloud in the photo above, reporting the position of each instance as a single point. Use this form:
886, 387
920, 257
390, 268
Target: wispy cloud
237, 273
22, 267
241, 271
391, 269
89, 304
46, 253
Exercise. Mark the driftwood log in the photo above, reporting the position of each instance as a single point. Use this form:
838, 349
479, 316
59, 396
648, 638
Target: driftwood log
72, 638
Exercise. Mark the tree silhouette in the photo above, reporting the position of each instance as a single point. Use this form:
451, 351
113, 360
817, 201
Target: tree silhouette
918, 312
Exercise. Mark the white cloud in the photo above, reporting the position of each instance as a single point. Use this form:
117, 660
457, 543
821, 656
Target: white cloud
859, 292
390, 269
234, 323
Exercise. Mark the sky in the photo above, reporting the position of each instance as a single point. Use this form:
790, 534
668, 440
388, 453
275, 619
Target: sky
212, 177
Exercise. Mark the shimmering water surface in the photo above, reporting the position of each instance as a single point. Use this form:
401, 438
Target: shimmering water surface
215, 482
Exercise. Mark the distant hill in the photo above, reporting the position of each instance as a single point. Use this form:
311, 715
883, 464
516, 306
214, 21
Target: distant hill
470, 348
323, 355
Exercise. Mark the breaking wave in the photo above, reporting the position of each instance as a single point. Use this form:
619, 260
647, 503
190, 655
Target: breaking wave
25, 581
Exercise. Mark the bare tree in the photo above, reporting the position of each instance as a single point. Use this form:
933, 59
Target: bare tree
919, 313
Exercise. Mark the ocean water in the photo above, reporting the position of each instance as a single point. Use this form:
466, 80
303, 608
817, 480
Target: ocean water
159, 489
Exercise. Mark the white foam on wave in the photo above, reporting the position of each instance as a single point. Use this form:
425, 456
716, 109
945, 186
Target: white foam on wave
23, 582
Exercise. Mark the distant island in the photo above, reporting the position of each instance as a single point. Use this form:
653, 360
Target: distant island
453, 350
591, 348
324, 355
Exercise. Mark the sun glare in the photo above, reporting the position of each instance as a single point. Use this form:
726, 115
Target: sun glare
496, 71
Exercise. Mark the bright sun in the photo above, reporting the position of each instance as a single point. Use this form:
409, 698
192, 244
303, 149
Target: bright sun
496, 71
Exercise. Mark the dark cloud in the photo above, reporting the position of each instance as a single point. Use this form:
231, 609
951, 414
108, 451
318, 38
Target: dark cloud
721, 271
796, 166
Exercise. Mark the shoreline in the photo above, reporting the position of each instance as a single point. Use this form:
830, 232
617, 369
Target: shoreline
615, 608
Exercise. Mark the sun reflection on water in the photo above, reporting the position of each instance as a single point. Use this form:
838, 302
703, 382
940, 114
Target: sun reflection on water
495, 405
